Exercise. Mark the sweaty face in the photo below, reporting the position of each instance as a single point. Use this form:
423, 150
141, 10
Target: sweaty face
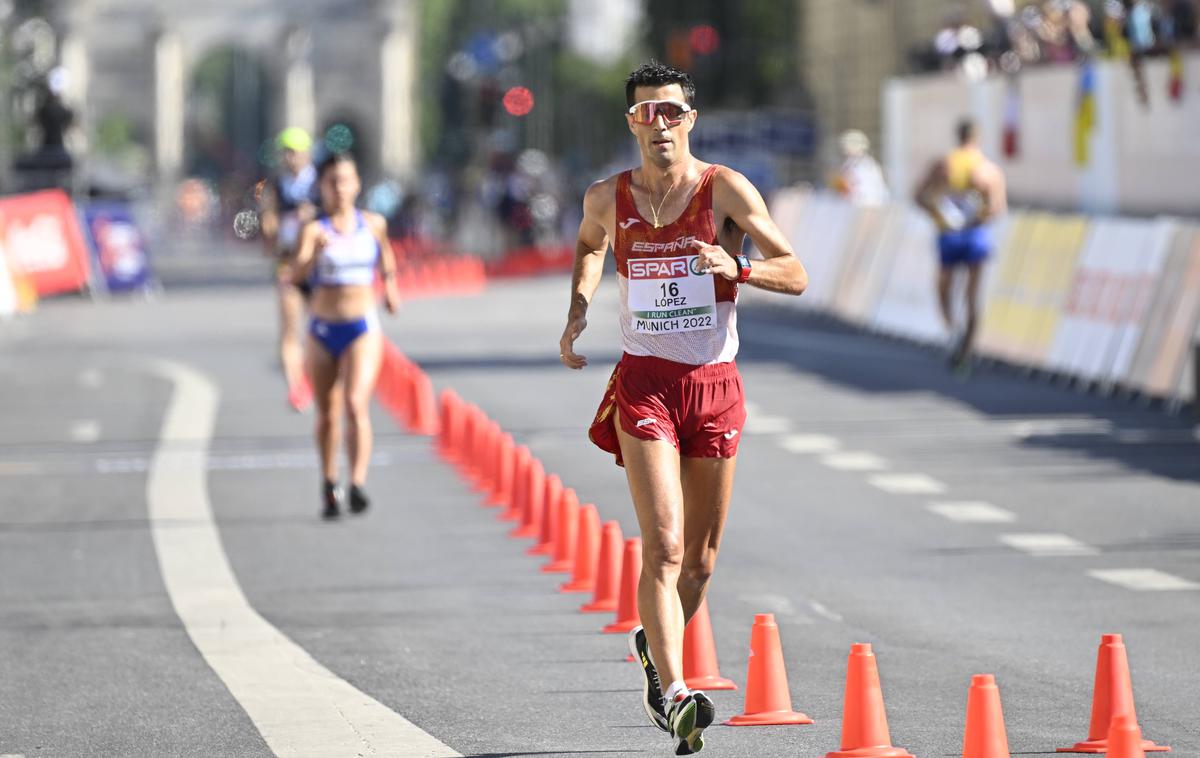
660, 143
340, 186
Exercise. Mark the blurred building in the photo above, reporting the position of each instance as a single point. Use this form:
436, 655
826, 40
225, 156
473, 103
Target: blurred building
203, 86
849, 48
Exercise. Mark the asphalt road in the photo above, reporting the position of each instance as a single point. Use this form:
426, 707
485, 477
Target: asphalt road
961, 527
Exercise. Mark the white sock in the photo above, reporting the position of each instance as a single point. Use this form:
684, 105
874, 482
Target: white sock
677, 687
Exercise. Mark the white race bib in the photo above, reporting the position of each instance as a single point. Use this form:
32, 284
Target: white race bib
671, 295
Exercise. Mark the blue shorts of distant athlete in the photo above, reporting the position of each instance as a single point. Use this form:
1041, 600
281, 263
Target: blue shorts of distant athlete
336, 336
965, 246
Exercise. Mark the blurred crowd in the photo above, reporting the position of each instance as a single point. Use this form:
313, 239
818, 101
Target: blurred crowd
1060, 31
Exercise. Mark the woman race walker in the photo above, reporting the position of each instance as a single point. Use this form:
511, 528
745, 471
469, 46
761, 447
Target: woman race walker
339, 254
289, 200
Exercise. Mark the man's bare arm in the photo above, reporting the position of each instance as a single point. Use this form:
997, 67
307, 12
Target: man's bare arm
780, 270
923, 194
590, 249
995, 193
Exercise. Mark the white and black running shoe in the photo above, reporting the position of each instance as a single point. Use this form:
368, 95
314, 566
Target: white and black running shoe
652, 697
688, 717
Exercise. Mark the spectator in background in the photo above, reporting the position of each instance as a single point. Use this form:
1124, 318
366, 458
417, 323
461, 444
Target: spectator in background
859, 179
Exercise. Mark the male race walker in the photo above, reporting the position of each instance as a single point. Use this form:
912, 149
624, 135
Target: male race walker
673, 411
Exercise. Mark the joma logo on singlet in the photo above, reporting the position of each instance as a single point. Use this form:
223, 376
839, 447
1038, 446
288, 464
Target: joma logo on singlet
641, 246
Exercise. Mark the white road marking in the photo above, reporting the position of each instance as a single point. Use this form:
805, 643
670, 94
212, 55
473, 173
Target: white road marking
809, 443
852, 461
300, 707
824, 612
85, 430
245, 462
1144, 579
972, 512
767, 425
908, 484
771, 603
90, 378
1063, 425
19, 468
1046, 544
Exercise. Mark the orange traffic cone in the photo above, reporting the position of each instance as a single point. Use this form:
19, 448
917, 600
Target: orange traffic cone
489, 458
463, 438
551, 499
563, 559
471, 428
522, 460
1111, 697
477, 474
1125, 738
700, 670
531, 513
448, 403
768, 701
631, 572
608, 571
864, 721
985, 736
425, 420
587, 543
502, 489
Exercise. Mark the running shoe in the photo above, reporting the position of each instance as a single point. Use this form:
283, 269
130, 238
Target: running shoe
333, 501
358, 499
652, 697
688, 717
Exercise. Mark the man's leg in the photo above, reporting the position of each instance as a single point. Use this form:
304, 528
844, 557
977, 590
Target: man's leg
707, 487
652, 468
974, 277
945, 283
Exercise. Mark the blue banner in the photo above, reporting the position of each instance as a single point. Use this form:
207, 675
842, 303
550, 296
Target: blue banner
118, 246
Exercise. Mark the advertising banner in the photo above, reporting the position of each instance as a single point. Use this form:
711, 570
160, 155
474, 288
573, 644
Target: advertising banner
118, 246
41, 240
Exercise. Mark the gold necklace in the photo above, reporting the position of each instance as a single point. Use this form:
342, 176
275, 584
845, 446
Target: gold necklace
650, 202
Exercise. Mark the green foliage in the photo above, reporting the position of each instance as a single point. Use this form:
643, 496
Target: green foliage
114, 135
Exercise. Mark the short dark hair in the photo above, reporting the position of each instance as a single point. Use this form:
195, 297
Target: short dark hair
965, 130
655, 74
332, 160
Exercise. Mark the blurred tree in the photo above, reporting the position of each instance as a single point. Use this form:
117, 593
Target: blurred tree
740, 54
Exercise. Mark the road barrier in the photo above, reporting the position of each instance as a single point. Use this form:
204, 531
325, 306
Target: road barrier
1107, 300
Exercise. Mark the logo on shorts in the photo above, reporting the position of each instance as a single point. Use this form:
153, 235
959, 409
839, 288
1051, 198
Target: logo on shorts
646, 422
628, 223
730, 435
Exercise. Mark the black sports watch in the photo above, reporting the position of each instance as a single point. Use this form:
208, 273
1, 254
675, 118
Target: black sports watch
743, 268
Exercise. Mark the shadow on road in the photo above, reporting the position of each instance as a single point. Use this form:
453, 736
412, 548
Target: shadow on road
1134, 433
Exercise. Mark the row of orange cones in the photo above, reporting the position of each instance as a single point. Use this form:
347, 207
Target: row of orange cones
600, 561
439, 275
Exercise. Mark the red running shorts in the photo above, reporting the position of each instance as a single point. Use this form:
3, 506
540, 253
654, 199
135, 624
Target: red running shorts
699, 409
